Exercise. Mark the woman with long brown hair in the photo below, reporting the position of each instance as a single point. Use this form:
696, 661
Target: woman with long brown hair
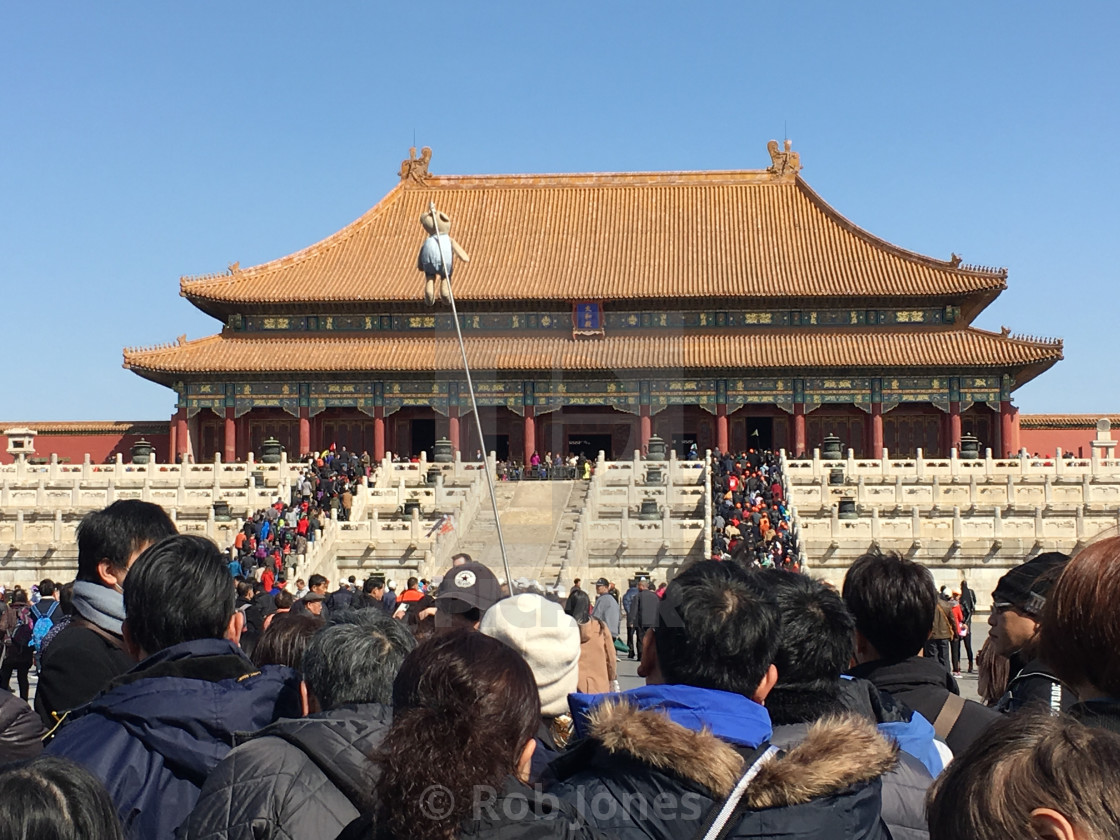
456, 760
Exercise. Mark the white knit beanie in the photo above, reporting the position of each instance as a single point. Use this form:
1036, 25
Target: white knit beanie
547, 637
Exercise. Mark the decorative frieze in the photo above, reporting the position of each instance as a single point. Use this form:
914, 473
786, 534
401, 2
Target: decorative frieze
593, 319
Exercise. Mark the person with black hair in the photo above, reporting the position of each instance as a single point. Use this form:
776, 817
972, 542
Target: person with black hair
465, 712
310, 777
57, 799
893, 601
686, 739
815, 648
1016, 624
286, 639
373, 591
162, 727
90, 652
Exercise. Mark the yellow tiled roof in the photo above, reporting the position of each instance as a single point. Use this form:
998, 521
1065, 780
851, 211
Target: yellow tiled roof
762, 350
91, 427
612, 236
1064, 421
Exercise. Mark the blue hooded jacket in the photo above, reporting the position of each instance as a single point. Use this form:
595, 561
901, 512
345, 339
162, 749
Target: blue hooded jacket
159, 729
730, 717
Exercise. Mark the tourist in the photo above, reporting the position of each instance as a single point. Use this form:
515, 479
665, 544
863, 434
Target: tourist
1016, 620
627, 604
285, 640
389, 599
549, 640
893, 602
154, 735
15, 632
1080, 629
607, 608
372, 595
311, 604
310, 777
576, 587
967, 601
815, 646
686, 738
465, 713
465, 594
598, 669
343, 597
90, 652
1031, 775
646, 608
937, 646
57, 799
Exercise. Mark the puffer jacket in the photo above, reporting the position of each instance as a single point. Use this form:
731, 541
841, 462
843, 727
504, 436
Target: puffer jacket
513, 812
21, 731
304, 778
644, 774
158, 731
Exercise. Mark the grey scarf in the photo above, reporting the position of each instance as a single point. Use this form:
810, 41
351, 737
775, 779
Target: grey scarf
99, 605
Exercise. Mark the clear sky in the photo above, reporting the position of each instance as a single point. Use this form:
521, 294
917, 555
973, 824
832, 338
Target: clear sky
140, 142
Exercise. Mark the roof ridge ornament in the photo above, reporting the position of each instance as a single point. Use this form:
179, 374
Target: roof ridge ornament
416, 168
786, 162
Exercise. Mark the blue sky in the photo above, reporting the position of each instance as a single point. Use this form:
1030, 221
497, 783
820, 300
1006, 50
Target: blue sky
143, 141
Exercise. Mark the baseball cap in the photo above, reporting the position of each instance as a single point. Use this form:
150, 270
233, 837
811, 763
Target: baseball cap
469, 586
602, 582
314, 596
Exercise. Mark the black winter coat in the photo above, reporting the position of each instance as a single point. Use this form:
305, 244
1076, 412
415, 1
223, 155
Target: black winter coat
302, 778
21, 733
924, 685
78, 664
640, 776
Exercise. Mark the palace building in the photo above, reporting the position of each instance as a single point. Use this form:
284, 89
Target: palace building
725, 309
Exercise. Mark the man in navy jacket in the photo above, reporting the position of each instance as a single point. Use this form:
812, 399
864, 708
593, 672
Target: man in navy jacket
159, 729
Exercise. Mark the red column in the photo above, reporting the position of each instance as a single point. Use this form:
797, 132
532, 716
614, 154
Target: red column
645, 426
182, 438
799, 429
530, 434
172, 428
721, 427
1015, 443
304, 430
453, 427
955, 425
1007, 428
378, 434
230, 439
876, 419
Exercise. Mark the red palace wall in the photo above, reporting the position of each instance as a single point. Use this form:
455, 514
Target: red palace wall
101, 441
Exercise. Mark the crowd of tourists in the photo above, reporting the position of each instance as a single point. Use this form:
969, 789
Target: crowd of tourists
174, 701
751, 522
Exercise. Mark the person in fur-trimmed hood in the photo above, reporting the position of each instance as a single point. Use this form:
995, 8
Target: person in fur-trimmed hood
656, 761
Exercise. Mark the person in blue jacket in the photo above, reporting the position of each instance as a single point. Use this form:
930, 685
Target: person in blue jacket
660, 761
159, 729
